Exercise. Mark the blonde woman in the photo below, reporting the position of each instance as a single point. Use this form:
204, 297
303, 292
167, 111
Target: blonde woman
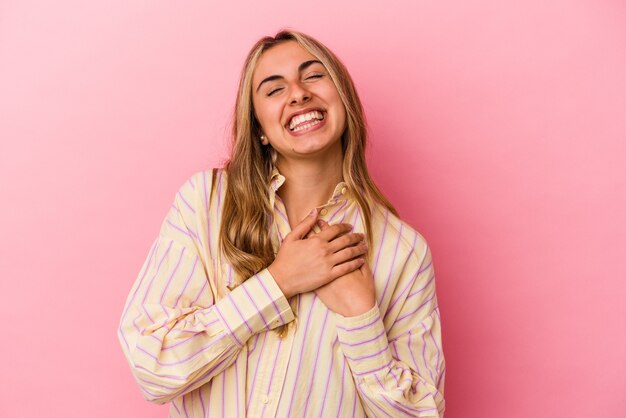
284, 284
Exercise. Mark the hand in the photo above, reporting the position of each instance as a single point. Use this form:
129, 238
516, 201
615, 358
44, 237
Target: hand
304, 264
353, 293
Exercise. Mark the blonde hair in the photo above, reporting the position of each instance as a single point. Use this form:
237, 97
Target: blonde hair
247, 215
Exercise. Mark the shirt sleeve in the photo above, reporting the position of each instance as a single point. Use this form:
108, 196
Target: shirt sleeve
399, 372
174, 333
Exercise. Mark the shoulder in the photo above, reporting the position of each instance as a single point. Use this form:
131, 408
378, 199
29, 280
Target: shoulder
394, 234
204, 180
198, 198
202, 186
194, 217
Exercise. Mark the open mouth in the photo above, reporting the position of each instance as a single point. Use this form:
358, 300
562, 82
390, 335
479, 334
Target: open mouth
305, 120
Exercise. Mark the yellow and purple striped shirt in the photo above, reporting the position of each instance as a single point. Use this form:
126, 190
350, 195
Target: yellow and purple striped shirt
199, 337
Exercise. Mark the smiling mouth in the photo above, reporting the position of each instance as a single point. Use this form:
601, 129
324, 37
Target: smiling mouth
305, 121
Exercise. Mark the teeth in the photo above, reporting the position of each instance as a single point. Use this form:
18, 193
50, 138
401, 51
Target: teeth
305, 126
311, 116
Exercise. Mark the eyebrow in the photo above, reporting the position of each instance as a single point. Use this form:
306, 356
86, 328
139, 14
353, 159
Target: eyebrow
301, 67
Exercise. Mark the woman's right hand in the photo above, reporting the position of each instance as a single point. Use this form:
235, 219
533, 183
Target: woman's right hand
304, 264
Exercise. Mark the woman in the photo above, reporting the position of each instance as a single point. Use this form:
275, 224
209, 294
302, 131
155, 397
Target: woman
285, 284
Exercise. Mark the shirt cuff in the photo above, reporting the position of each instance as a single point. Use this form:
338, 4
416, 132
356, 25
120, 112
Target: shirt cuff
364, 342
256, 305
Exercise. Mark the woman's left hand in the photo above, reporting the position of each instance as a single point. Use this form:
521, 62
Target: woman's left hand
349, 295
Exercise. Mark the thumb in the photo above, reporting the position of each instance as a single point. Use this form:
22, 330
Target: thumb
299, 231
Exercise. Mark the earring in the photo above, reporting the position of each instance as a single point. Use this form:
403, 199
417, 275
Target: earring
263, 140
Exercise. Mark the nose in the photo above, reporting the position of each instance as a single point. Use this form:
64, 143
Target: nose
299, 94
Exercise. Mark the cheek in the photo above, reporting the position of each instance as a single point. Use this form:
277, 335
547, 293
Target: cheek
343, 122
261, 119
267, 114
340, 112
333, 98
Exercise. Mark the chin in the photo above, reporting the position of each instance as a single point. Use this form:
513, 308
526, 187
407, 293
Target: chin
316, 149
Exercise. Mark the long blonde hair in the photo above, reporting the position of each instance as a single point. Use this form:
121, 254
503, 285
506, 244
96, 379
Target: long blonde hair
247, 216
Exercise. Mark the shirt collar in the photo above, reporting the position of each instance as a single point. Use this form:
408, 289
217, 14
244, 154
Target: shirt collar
341, 191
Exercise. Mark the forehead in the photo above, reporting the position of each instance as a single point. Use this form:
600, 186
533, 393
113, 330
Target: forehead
281, 59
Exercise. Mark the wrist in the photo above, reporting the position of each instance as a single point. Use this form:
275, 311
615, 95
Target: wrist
277, 275
358, 309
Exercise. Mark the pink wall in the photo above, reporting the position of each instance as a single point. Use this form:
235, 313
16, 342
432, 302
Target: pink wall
499, 131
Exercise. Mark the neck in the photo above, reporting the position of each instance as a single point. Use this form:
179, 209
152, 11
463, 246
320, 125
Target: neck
308, 184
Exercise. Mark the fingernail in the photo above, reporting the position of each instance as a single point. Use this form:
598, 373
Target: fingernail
313, 212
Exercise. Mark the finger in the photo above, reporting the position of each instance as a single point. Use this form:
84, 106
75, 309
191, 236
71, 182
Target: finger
348, 253
334, 231
365, 268
346, 240
322, 224
302, 229
345, 268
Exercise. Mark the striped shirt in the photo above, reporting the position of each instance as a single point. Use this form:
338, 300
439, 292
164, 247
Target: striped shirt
199, 337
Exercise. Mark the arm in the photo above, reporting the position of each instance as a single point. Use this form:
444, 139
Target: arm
173, 332
399, 372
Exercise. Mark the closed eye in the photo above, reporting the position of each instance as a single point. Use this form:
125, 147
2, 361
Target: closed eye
271, 92
315, 76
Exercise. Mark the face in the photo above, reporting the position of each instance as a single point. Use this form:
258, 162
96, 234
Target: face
297, 103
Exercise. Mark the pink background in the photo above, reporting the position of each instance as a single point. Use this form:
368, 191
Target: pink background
499, 131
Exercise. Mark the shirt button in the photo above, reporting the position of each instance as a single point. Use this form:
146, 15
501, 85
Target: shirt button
265, 399
344, 190
323, 212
